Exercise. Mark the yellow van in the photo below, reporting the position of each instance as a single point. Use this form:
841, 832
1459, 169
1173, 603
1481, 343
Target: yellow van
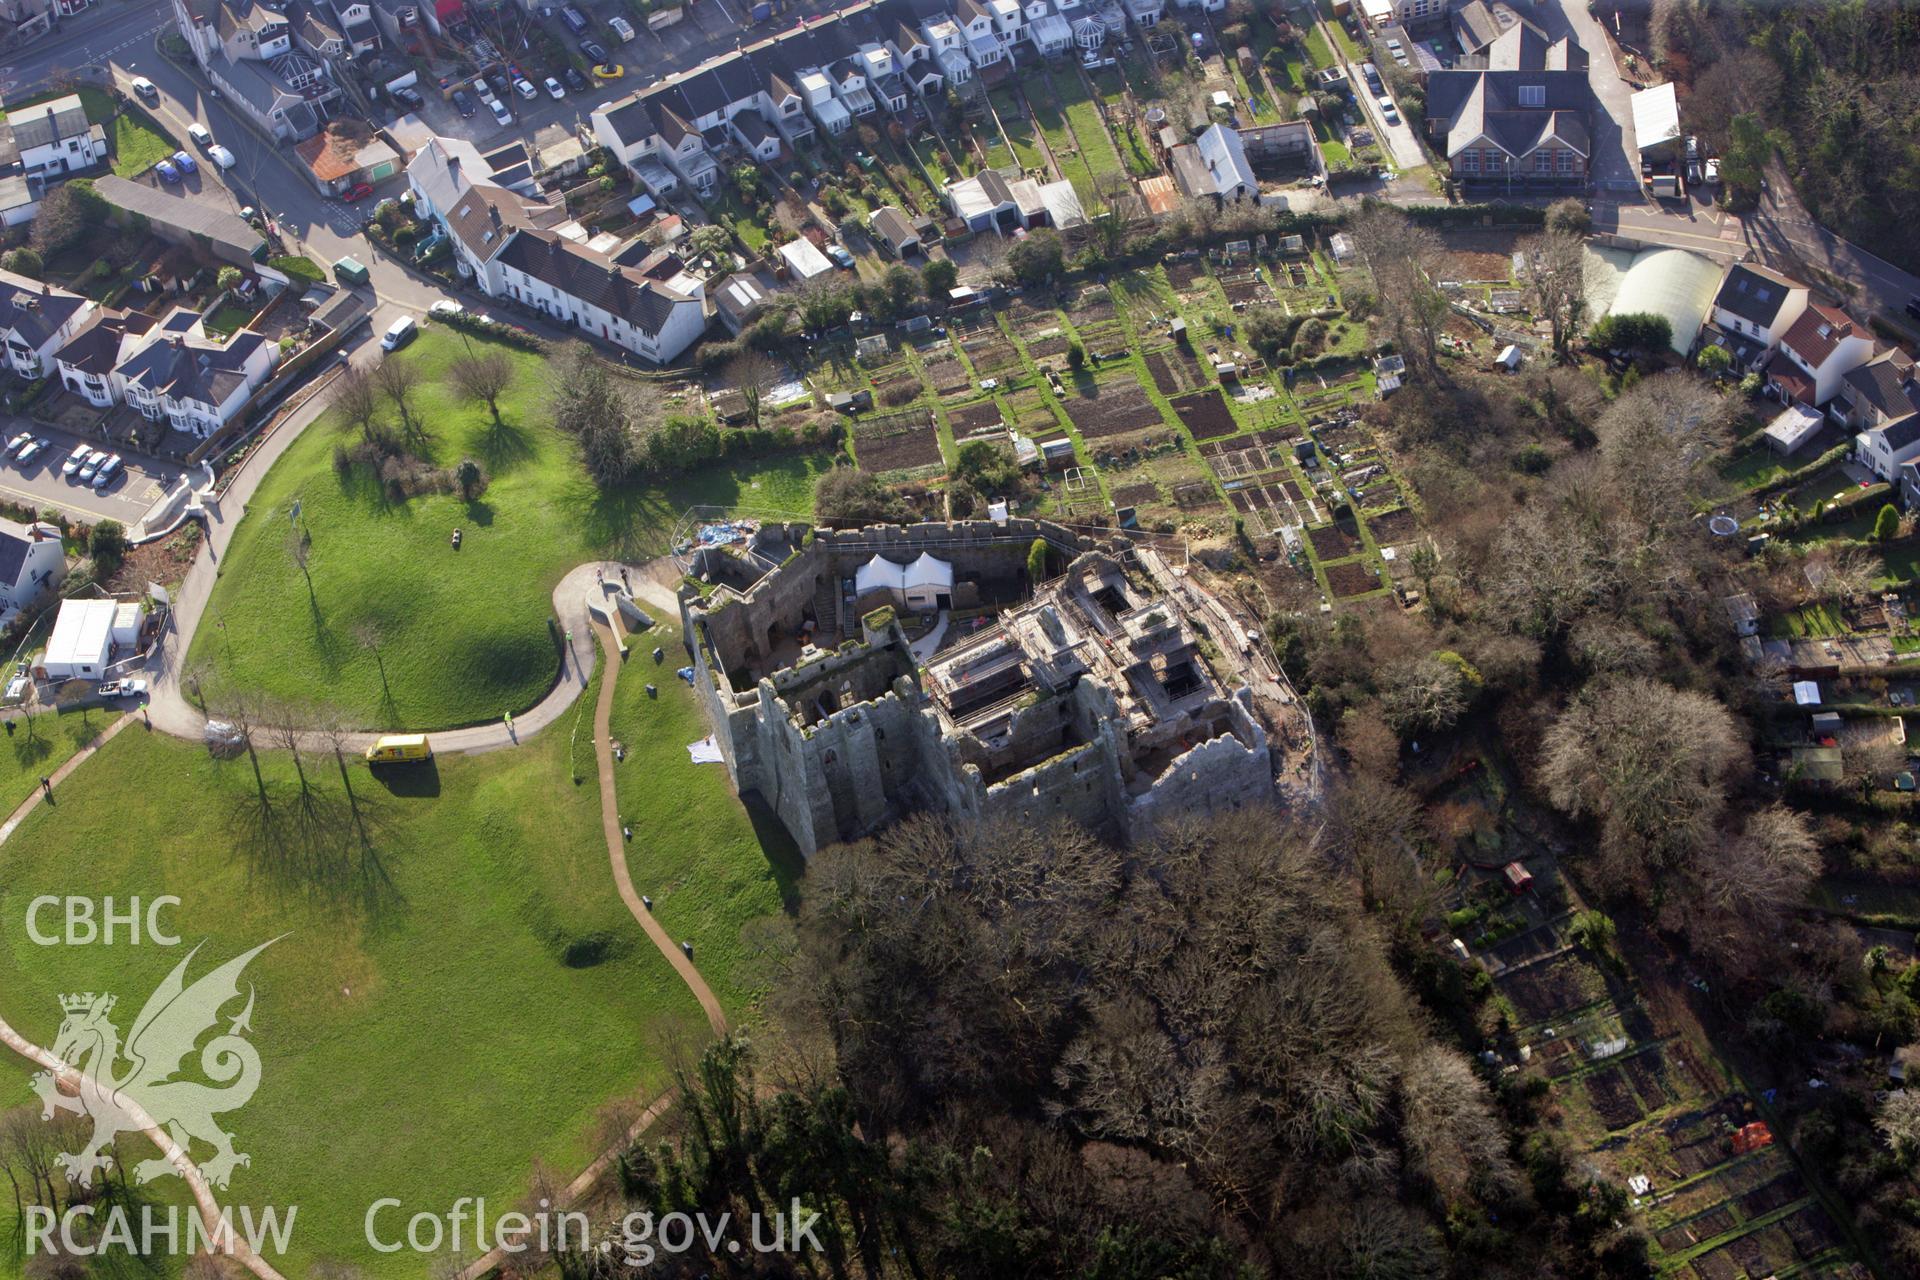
398, 748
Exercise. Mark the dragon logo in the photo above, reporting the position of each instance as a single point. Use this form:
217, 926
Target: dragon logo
124, 1088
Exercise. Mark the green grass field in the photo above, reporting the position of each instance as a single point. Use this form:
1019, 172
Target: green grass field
1047, 114
39, 744
435, 1017
137, 145
704, 890
399, 629
1019, 128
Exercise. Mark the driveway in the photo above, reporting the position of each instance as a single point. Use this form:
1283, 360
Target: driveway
1401, 142
1616, 155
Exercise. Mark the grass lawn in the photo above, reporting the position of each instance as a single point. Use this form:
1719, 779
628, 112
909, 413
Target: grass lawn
1318, 50
137, 145
1757, 466
695, 851
1811, 620
228, 318
462, 636
95, 102
1066, 154
474, 1017
1019, 129
1348, 49
39, 744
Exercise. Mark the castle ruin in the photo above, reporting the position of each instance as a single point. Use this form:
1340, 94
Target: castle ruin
1088, 697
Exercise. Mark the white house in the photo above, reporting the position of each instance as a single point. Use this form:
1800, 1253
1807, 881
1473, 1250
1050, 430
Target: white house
36, 321
1817, 351
1884, 449
88, 635
176, 374
1754, 308
1215, 164
249, 50
654, 319
32, 566
54, 137
481, 223
86, 363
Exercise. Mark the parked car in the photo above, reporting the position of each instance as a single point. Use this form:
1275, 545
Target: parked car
576, 81
524, 87
609, 70
622, 28
144, 87
32, 451
1693, 148
839, 254
1913, 309
463, 104
91, 467
408, 98
221, 156
444, 308
1712, 173
595, 50
1388, 110
122, 689
500, 112
398, 333
19, 442
201, 135
75, 460
496, 86
184, 162
358, 191
168, 173
554, 90
106, 472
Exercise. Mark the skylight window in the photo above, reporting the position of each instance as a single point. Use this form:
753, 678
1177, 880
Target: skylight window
1533, 95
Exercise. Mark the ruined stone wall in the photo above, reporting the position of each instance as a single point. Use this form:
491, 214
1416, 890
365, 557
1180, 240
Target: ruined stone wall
1227, 773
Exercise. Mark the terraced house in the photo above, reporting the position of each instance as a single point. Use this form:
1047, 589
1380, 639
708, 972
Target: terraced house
169, 372
1516, 116
825, 75
37, 320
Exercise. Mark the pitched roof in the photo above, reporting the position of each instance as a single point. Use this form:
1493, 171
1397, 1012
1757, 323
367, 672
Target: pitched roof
13, 551
1901, 432
1886, 383
33, 310
185, 369
594, 278
96, 348
45, 123
1475, 103
891, 225
1817, 332
1754, 293
485, 218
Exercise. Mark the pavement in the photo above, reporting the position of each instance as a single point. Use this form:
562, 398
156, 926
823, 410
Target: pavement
39, 484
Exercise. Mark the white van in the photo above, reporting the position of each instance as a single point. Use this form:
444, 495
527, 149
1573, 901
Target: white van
622, 28
398, 334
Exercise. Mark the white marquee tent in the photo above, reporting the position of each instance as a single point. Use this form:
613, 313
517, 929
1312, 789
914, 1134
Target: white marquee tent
921, 584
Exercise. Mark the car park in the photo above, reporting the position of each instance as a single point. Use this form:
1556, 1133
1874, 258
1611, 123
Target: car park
500, 112
463, 104
576, 81
554, 90
168, 173
19, 442
75, 460
107, 471
575, 20
145, 88
358, 191
524, 87
32, 451
91, 467
221, 156
201, 135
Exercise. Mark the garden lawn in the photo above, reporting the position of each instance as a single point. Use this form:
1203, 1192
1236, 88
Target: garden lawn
1318, 50
228, 318
400, 630
1066, 154
1348, 49
1019, 129
475, 1021
695, 850
1757, 466
41, 743
137, 145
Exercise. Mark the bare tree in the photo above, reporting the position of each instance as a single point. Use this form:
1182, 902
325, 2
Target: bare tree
1899, 1121
1403, 258
1425, 694
1554, 274
1658, 441
1456, 1138
1762, 869
751, 373
358, 400
398, 380
1650, 763
483, 378
1844, 573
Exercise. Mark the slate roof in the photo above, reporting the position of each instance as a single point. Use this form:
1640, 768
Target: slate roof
96, 348
182, 210
188, 370
245, 15
891, 225
34, 311
1754, 293
48, 122
13, 551
1817, 332
1487, 103
1886, 383
485, 217
1901, 432
593, 278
